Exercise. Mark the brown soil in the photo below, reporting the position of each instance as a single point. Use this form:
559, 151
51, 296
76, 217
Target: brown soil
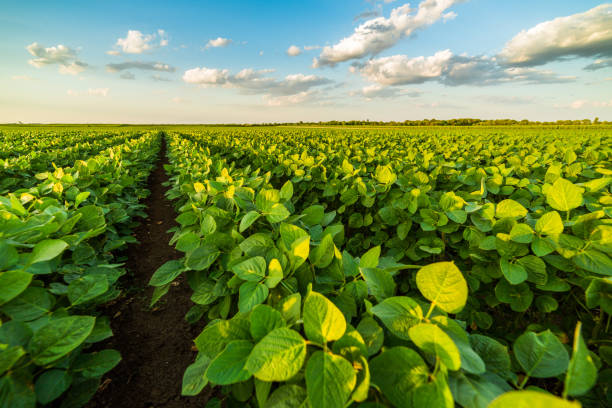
156, 345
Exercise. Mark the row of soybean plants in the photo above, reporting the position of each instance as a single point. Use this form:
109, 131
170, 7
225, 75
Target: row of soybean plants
57, 240
20, 170
300, 314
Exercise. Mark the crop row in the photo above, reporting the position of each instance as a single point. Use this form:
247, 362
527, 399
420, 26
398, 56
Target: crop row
57, 240
454, 271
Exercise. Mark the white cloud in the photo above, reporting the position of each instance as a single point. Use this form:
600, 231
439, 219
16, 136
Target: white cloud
206, 76
74, 68
136, 42
599, 64
61, 55
286, 100
378, 91
218, 42
102, 92
290, 89
127, 75
449, 69
378, 34
147, 66
159, 78
587, 34
261, 53
451, 15
113, 53
585, 103
294, 51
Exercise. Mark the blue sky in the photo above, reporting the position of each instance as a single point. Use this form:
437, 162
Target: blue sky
210, 62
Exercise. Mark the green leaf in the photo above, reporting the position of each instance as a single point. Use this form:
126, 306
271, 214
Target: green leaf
9, 356
431, 339
594, 261
194, 379
278, 356
476, 391
266, 199
15, 393
47, 250
277, 213
313, 215
518, 296
443, 284
400, 373
582, 372
275, 274
96, 364
330, 379
250, 295
264, 319
323, 321
513, 272
217, 335
380, 283
248, 220
286, 191
385, 175
510, 208
521, 233
229, 366
253, 269
201, 258
370, 258
167, 273
372, 334
323, 254
541, 355
13, 283
549, 224
290, 307
59, 337
31, 304
88, 287
493, 353
531, 399
470, 360
51, 384
287, 396
399, 314
158, 293
564, 196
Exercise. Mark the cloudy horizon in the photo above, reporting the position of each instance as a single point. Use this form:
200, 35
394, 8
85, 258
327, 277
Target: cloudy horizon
315, 61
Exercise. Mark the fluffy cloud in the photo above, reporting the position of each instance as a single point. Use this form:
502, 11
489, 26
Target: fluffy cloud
378, 91
449, 69
294, 51
127, 75
599, 64
136, 42
61, 55
378, 34
290, 89
587, 34
103, 92
147, 66
218, 42
286, 100
584, 103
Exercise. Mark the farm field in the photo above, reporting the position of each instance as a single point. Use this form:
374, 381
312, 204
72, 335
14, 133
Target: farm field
192, 266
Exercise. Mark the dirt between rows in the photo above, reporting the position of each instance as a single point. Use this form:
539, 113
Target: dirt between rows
156, 345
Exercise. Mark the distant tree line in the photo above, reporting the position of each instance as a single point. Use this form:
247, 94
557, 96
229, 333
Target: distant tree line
447, 122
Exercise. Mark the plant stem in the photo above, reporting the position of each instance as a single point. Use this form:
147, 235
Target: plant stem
430, 311
522, 384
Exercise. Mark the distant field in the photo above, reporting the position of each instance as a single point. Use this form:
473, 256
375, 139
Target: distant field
321, 265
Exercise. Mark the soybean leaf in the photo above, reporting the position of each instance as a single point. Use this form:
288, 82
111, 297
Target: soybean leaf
582, 372
330, 379
278, 356
323, 321
59, 337
443, 284
399, 314
229, 366
541, 355
431, 339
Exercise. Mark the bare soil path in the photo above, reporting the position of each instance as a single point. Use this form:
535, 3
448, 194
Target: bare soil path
155, 344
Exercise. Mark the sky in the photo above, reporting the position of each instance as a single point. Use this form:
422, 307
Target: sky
107, 61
